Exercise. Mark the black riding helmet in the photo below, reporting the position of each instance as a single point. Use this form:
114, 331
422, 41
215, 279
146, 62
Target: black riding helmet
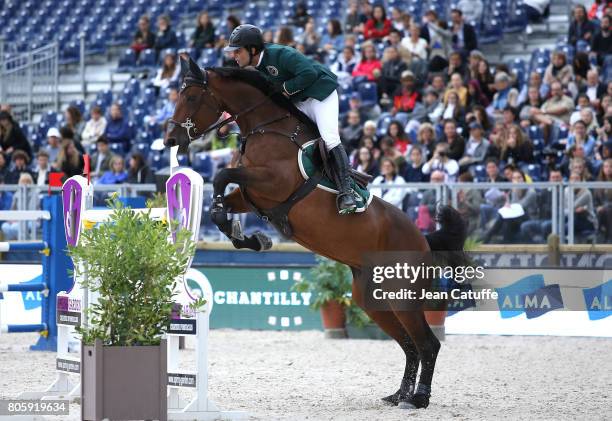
247, 36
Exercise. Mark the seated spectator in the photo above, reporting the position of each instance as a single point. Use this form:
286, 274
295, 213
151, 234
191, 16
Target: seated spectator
468, 203
414, 170
309, 39
440, 161
344, 65
475, 95
580, 67
116, 174
584, 209
535, 80
369, 64
67, 134
118, 129
471, 9
603, 202
604, 134
204, 34
414, 44
542, 225
598, 9
452, 108
231, 23
433, 107
382, 186
351, 132
11, 136
464, 36
593, 88
556, 110
580, 28
389, 150
143, 38
456, 85
601, 46
577, 164
392, 68
365, 162
581, 137
455, 142
53, 143
406, 97
485, 79
94, 128
438, 84
268, 36
74, 121
20, 165
456, 64
514, 148
42, 169
333, 40
476, 148
100, 160
492, 169
439, 38
509, 223
426, 139
534, 101
396, 132
506, 95
28, 201
284, 36
139, 172
166, 37
558, 69
169, 72
224, 139
69, 161
480, 115
167, 110
535, 10
369, 131
378, 26
425, 221
301, 17
353, 20
397, 20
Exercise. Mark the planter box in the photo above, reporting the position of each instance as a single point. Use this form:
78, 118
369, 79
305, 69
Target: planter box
370, 331
124, 383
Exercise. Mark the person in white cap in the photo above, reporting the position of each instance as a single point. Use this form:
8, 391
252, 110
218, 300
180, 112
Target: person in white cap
53, 143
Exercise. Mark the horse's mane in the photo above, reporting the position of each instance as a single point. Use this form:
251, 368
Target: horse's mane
257, 80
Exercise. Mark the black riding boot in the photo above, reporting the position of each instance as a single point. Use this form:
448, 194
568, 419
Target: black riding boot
345, 200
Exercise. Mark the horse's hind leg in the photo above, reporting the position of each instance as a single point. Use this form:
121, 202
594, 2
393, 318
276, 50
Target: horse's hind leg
391, 325
428, 347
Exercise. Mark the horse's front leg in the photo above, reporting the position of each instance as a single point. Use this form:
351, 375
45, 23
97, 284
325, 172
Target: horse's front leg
234, 202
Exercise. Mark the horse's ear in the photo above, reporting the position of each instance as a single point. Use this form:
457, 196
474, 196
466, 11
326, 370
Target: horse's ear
195, 70
184, 64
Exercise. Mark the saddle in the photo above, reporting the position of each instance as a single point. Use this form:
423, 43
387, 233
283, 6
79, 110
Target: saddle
321, 160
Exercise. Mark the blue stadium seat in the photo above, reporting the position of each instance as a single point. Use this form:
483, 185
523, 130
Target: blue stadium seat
480, 172
343, 104
202, 163
147, 58
369, 94
534, 171
116, 148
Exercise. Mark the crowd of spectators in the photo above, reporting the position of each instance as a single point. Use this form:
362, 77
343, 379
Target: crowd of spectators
419, 103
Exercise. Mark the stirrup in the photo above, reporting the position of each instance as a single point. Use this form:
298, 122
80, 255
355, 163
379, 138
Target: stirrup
351, 209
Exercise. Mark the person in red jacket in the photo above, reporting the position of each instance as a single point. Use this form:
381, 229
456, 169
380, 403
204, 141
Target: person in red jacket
370, 65
378, 26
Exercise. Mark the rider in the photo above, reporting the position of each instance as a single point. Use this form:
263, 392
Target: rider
309, 84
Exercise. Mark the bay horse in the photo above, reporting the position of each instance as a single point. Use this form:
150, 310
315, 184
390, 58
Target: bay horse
272, 131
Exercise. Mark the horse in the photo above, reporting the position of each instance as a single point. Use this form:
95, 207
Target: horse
272, 131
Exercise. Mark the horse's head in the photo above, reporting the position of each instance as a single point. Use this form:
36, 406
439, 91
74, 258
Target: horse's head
196, 109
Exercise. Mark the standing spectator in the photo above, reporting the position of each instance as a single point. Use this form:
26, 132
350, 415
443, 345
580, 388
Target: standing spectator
204, 34
100, 161
369, 64
333, 40
117, 129
439, 39
74, 121
471, 9
69, 160
20, 165
382, 186
166, 37
53, 147
476, 148
464, 36
392, 68
440, 161
116, 174
377, 27
139, 172
558, 69
580, 28
168, 74
94, 128
43, 168
11, 229
143, 38
366, 163
301, 17
601, 45
11, 136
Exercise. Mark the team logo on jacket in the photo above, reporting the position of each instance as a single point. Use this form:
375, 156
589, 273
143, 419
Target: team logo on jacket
272, 70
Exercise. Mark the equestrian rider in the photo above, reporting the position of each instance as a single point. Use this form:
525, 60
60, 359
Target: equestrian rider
311, 87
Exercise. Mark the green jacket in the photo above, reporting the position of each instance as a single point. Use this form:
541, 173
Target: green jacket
301, 76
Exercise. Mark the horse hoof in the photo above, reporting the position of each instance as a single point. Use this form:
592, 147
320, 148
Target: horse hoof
415, 401
264, 240
394, 399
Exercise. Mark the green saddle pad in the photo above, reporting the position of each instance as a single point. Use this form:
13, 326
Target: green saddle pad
362, 196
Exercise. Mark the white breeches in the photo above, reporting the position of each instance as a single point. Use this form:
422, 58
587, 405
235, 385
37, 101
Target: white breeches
325, 115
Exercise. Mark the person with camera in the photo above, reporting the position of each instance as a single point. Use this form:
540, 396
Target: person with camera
441, 162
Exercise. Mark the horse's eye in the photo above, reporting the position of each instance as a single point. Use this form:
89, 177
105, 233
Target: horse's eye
191, 98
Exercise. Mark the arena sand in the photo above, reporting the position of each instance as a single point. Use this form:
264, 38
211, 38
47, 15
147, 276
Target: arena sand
302, 376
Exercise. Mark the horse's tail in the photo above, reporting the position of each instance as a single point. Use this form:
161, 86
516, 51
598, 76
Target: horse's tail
448, 241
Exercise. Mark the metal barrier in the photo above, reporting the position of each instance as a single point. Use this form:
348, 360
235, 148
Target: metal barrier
29, 81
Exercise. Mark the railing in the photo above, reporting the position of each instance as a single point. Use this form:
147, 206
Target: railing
562, 220
29, 81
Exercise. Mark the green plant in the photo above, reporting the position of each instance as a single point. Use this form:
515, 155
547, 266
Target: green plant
133, 268
331, 281
157, 201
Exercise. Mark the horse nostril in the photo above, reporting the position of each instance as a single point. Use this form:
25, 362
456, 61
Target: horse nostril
170, 141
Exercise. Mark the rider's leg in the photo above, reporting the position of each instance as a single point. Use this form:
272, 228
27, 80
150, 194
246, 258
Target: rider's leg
325, 115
